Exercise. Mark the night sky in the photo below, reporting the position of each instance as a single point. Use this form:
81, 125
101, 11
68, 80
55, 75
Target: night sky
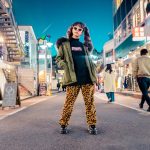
58, 15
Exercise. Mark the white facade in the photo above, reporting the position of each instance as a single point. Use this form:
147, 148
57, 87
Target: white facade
30, 59
108, 52
11, 49
30, 42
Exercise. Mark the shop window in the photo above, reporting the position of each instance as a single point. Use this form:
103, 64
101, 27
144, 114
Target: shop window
119, 35
134, 2
119, 16
109, 54
123, 10
115, 37
129, 23
115, 23
124, 26
128, 5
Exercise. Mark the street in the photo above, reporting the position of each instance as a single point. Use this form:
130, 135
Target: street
36, 127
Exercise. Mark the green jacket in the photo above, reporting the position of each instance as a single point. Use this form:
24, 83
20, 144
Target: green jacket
64, 59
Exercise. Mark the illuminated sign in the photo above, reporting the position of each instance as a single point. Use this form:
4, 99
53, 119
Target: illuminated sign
138, 34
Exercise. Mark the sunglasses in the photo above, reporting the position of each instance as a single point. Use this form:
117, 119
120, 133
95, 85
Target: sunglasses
78, 29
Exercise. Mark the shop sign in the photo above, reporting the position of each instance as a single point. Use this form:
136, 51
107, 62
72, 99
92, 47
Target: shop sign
10, 95
42, 89
138, 34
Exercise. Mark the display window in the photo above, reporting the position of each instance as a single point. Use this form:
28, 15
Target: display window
124, 29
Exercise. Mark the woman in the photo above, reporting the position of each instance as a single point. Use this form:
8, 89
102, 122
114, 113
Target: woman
79, 73
109, 83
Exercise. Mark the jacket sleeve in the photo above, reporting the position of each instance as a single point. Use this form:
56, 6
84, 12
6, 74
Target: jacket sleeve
135, 67
60, 57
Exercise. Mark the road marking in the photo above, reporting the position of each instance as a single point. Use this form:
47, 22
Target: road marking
143, 112
23, 108
1, 118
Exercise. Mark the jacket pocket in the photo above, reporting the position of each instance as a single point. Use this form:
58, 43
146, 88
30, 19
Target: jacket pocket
67, 77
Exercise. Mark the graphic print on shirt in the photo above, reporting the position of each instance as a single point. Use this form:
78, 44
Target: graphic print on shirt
76, 48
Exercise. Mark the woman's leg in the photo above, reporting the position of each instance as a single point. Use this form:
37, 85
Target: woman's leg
112, 96
108, 96
88, 95
71, 95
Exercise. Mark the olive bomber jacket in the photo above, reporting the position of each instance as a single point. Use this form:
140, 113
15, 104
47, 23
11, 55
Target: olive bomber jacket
64, 59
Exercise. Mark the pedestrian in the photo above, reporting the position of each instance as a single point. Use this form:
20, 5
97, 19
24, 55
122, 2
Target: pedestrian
63, 87
79, 73
141, 71
58, 86
109, 83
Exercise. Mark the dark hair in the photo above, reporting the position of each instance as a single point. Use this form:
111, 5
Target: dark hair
87, 39
109, 68
143, 51
148, 8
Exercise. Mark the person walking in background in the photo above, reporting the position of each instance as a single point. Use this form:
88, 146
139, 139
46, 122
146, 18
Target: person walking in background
109, 83
141, 71
63, 87
58, 86
79, 73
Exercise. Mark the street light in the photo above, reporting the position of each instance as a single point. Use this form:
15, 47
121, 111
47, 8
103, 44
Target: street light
45, 47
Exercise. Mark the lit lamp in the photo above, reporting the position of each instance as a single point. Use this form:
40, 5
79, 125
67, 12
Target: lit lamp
45, 47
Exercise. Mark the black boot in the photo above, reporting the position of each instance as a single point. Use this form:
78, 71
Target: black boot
141, 106
63, 129
148, 109
92, 129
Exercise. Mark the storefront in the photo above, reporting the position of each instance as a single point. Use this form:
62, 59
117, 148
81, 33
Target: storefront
125, 79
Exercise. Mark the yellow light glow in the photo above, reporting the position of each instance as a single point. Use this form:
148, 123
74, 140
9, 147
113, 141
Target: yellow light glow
1, 39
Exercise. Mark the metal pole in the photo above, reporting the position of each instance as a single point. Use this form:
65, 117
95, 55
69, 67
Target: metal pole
37, 73
51, 73
46, 47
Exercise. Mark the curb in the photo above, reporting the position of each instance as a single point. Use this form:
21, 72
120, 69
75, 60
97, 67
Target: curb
130, 94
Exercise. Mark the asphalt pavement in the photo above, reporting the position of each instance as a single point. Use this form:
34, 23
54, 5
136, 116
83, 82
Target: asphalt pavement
36, 127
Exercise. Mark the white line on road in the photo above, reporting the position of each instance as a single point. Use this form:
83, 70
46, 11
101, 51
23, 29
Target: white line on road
140, 110
10, 114
1, 118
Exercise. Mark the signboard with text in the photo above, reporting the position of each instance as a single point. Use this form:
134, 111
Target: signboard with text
10, 95
138, 34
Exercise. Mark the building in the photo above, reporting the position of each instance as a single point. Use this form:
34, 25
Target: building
30, 46
129, 19
28, 70
11, 47
108, 52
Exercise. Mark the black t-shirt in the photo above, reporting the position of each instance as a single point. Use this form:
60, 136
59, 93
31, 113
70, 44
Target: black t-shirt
78, 55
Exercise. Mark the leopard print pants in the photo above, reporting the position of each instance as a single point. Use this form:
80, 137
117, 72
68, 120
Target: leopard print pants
71, 95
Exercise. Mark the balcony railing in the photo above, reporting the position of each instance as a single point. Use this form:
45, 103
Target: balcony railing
10, 31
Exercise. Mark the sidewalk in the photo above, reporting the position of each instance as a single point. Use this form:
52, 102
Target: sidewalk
124, 100
24, 104
130, 93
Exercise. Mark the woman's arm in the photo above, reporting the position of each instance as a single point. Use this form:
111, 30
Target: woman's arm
60, 57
